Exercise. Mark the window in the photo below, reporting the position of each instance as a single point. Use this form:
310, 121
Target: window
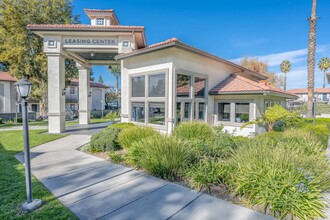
2, 94
72, 90
224, 111
271, 103
178, 112
157, 85
100, 21
138, 86
199, 87
201, 111
187, 110
183, 86
34, 107
138, 113
324, 97
242, 112
157, 113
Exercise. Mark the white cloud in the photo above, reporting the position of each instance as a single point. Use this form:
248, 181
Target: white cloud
243, 43
294, 56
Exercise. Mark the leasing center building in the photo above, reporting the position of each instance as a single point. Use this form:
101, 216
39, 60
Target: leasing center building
161, 84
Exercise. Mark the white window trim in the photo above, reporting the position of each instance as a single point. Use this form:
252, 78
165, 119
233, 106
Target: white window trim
99, 24
146, 99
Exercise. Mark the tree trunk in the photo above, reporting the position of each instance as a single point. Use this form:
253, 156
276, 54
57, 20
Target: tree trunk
324, 79
43, 106
284, 81
117, 89
311, 59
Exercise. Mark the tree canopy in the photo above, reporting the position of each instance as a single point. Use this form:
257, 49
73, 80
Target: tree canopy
20, 51
258, 66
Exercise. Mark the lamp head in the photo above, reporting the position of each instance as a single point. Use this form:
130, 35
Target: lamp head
23, 87
315, 95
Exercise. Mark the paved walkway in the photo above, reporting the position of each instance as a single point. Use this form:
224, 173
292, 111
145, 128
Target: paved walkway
93, 188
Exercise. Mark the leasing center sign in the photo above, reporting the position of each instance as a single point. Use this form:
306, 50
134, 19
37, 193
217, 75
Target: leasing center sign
90, 42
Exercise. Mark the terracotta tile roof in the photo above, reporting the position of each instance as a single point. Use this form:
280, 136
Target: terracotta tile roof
184, 90
80, 27
75, 82
305, 90
235, 84
175, 41
98, 10
6, 77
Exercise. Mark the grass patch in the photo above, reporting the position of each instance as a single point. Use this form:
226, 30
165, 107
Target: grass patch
12, 180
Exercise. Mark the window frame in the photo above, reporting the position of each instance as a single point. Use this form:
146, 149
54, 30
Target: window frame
194, 101
97, 19
233, 102
146, 99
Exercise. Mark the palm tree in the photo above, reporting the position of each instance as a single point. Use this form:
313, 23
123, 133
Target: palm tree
285, 68
311, 58
324, 65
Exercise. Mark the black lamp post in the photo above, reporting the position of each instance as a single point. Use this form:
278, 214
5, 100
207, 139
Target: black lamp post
315, 95
24, 89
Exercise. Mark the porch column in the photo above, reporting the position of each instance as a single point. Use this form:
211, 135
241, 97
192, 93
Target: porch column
84, 89
56, 101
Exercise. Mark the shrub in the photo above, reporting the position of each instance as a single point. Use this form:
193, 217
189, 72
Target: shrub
128, 136
161, 156
19, 120
9, 122
121, 125
321, 131
111, 116
206, 173
105, 140
115, 157
0, 120
193, 130
284, 181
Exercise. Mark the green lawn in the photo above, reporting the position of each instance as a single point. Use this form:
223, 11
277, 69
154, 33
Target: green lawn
12, 180
45, 123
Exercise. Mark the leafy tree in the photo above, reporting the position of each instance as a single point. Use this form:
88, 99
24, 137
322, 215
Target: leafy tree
100, 79
285, 68
311, 58
262, 67
324, 65
273, 115
20, 51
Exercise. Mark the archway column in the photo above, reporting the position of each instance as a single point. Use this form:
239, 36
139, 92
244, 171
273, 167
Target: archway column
56, 100
84, 94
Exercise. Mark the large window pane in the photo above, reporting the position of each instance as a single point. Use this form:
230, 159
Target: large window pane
138, 113
157, 85
187, 110
157, 113
183, 86
138, 86
242, 112
201, 111
178, 112
199, 87
224, 111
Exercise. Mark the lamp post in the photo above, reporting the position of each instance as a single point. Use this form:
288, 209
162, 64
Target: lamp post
24, 89
102, 108
315, 95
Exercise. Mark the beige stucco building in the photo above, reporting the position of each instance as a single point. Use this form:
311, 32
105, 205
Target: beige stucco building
161, 84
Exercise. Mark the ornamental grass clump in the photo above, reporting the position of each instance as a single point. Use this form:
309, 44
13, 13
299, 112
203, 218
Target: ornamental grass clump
206, 173
128, 136
162, 156
285, 181
193, 130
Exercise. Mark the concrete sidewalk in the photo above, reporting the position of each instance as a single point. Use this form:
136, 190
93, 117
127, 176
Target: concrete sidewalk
96, 189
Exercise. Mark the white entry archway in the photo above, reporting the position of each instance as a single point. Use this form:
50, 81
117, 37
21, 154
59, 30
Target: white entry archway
87, 45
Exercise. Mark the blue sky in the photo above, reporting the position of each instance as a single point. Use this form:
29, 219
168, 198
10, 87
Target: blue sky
272, 30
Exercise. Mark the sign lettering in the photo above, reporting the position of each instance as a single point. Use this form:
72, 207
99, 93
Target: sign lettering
86, 41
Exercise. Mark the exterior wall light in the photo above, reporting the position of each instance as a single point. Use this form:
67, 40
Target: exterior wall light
24, 89
90, 94
64, 92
